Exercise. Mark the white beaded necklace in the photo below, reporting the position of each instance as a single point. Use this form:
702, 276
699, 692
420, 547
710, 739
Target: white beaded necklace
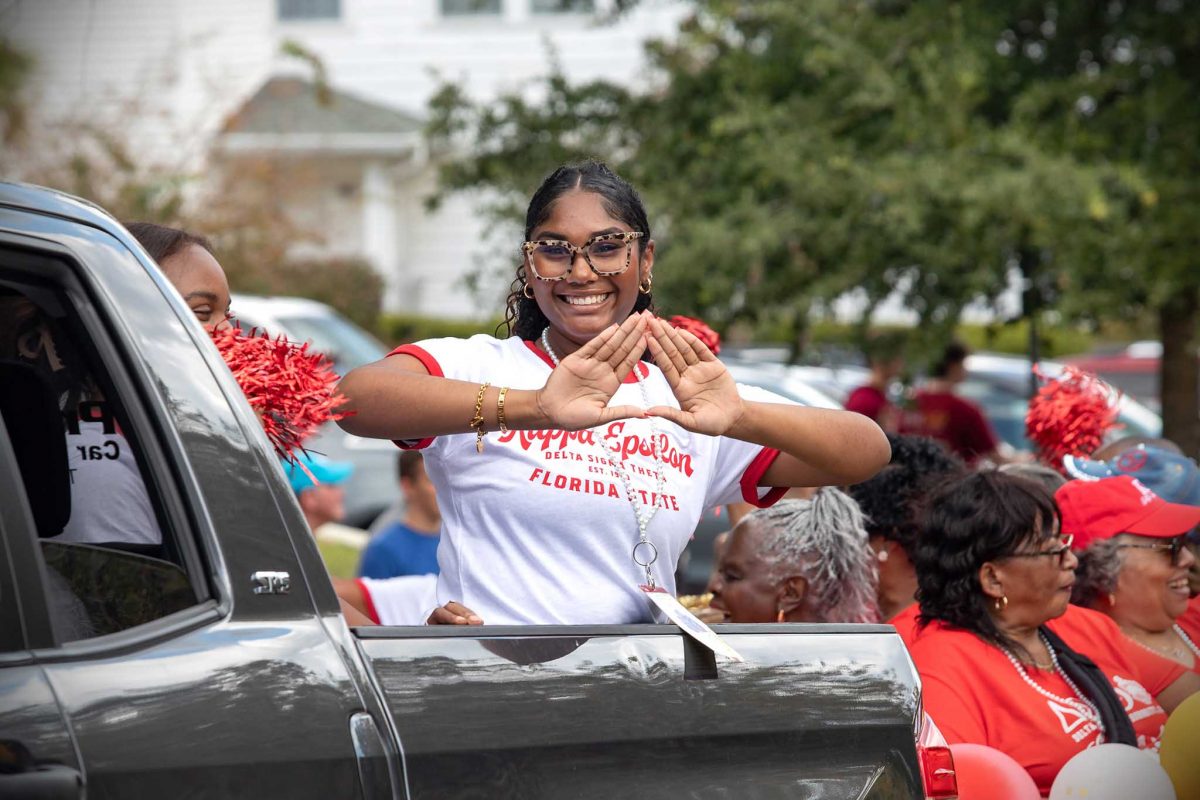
644, 548
1187, 640
1079, 702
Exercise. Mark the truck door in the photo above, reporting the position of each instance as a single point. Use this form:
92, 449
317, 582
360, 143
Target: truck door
37, 757
177, 679
816, 711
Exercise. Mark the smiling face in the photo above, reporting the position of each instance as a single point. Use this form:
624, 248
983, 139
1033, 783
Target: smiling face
743, 586
1151, 591
583, 304
201, 281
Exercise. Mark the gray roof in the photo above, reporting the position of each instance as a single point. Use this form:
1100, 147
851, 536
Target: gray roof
285, 105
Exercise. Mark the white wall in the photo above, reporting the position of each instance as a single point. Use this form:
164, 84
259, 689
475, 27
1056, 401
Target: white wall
169, 72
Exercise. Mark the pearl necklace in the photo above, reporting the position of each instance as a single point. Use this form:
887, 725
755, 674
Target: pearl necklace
1079, 702
644, 548
1174, 653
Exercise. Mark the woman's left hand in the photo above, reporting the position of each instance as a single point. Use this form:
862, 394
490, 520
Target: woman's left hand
708, 397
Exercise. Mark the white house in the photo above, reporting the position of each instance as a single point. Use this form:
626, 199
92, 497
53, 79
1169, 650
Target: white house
206, 84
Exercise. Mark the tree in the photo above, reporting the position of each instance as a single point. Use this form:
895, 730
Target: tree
1120, 83
792, 153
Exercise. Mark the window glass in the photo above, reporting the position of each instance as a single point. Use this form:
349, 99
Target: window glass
111, 562
562, 6
462, 8
308, 9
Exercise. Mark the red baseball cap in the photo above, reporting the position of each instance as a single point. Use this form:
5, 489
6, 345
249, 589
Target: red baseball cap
1095, 510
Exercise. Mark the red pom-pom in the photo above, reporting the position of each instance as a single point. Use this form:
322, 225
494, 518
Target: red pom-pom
292, 390
1070, 415
711, 339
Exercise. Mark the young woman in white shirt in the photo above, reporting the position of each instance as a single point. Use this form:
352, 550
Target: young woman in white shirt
571, 472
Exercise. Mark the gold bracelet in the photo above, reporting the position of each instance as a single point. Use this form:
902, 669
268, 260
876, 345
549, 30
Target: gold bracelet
500, 409
477, 420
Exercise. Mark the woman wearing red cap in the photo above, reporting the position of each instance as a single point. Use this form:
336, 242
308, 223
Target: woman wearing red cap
1005, 661
1133, 565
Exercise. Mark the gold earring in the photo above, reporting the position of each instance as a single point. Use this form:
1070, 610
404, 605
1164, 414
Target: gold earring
779, 616
527, 292
645, 285
1002, 603
1112, 600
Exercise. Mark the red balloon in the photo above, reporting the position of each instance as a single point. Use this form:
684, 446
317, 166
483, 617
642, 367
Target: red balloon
985, 773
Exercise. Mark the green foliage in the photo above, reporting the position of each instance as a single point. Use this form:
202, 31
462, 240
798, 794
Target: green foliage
397, 329
793, 152
340, 559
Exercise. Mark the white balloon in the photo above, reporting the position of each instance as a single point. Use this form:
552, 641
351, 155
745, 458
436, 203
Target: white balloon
1112, 772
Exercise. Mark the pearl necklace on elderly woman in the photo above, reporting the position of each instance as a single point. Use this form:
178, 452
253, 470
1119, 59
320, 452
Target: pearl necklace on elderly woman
1079, 702
1173, 653
644, 552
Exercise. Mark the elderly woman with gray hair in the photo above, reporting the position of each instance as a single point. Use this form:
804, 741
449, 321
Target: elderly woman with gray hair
1133, 562
798, 561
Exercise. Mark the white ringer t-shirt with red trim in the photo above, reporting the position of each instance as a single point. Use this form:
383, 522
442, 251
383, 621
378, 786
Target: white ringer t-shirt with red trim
537, 529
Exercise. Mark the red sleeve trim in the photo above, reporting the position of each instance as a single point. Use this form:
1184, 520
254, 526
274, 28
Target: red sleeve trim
430, 363
754, 473
367, 601
431, 366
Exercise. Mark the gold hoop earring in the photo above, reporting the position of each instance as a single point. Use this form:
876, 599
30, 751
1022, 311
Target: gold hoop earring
779, 616
527, 292
1002, 603
645, 285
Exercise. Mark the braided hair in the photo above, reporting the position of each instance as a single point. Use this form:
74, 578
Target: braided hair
822, 540
522, 316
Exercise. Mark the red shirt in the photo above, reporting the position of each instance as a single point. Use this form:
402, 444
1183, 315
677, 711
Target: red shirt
975, 694
956, 422
868, 401
905, 623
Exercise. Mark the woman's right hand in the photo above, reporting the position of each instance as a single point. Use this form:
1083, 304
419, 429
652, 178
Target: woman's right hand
577, 392
453, 614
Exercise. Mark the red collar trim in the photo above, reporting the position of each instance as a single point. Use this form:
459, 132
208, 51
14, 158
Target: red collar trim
544, 356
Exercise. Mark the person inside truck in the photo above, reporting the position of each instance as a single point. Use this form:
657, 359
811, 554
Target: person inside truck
109, 502
891, 502
1005, 660
187, 261
572, 470
798, 561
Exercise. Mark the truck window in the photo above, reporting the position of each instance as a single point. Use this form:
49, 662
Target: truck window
111, 558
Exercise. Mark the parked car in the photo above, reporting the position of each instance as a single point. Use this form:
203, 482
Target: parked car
1135, 370
374, 487
215, 663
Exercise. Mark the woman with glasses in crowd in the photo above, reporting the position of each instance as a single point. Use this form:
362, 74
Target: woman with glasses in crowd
1005, 660
572, 472
798, 561
1133, 562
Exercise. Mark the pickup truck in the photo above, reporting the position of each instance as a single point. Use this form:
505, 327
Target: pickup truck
214, 661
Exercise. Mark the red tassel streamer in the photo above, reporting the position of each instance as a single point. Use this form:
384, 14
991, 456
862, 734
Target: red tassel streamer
1070, 415
292, 390
711, 339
